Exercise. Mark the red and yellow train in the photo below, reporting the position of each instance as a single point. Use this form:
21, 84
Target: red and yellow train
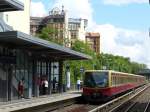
101, 85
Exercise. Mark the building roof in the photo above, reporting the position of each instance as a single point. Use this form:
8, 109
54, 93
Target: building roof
36, 20
10, 5
144, 71
90, 34
24, 41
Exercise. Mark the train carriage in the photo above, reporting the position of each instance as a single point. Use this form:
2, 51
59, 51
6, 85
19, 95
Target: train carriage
101, 85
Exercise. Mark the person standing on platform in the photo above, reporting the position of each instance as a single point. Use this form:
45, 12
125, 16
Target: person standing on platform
78, 84
54, 84
20, 88
42, 86
45, 86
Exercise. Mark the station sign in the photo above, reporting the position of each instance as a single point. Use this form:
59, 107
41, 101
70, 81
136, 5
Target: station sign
82, 69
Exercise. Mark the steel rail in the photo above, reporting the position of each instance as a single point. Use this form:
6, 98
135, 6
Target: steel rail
114, 109
107, 106
146, 109
131, 106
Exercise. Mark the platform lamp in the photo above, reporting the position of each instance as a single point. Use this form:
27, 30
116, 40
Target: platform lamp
75, 76
67, 67
54, 67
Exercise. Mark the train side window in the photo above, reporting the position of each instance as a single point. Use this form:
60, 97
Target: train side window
113, 79
130, 79
124, 79
117, 81
120, 79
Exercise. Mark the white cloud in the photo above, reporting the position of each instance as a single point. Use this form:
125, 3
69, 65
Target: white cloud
76, 8
38, 9
123, 42
121, 2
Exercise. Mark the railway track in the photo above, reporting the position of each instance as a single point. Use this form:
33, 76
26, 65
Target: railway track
140, 103
111, 106
77, 108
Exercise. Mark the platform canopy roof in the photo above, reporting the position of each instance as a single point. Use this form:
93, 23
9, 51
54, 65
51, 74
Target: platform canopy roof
10, 5
39, 46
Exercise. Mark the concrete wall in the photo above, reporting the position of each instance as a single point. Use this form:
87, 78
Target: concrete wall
19, 20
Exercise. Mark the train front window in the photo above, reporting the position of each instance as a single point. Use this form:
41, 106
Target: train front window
88, 80
96, 79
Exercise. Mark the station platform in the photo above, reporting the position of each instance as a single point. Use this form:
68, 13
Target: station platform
21, 104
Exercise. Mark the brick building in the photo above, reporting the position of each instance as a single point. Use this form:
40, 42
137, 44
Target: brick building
93, 39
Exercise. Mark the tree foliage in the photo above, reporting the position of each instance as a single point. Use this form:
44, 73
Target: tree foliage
50, 34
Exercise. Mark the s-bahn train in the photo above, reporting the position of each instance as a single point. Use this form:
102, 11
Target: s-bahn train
101, 85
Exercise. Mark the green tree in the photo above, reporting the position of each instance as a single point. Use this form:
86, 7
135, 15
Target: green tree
50, 34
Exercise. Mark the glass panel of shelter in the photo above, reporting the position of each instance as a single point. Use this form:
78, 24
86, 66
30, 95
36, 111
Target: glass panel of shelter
42, 73
49, 71
55, 76
20, 73
3, 83
7, 66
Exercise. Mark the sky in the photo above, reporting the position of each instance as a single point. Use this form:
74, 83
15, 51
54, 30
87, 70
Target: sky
122, 24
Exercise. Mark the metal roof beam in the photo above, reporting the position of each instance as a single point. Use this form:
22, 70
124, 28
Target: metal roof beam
10, 5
